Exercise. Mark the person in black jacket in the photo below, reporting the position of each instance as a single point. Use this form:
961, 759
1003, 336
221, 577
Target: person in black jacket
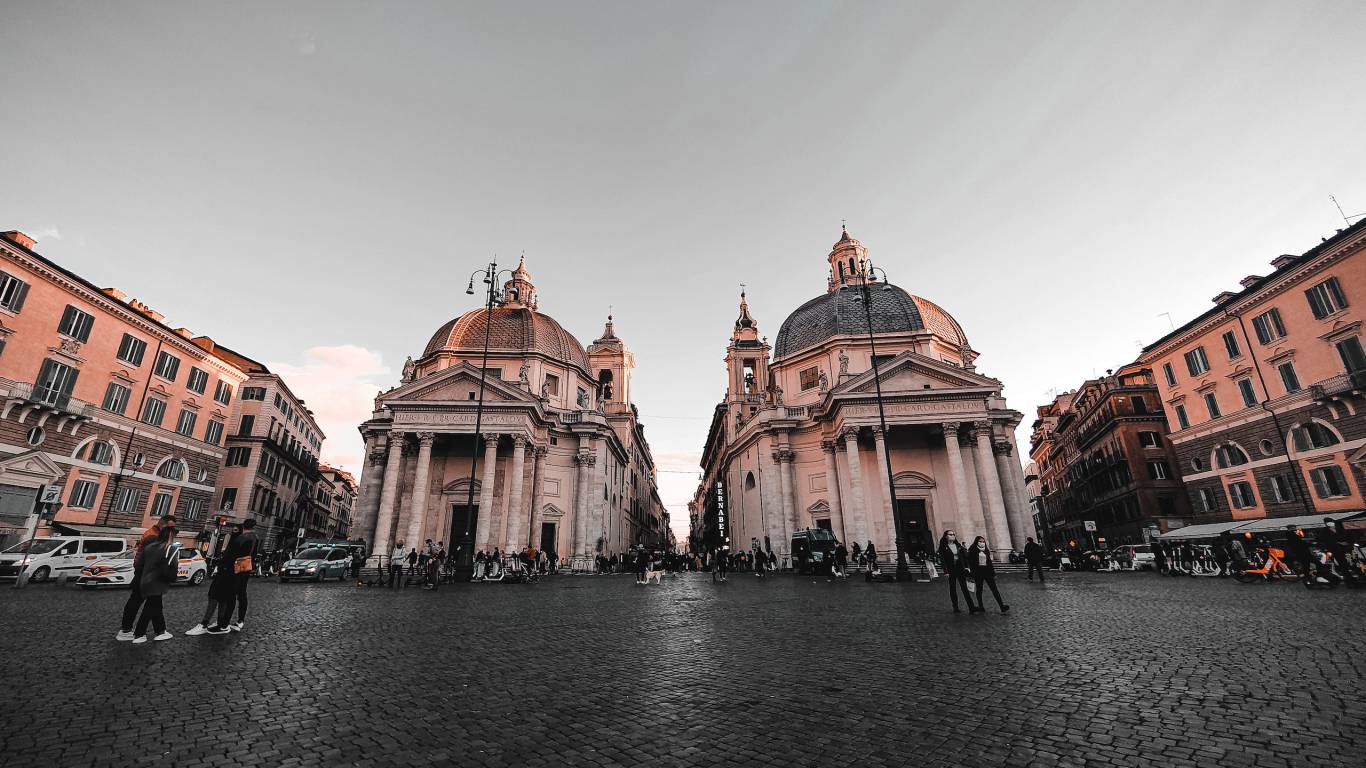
953, 559
160, 564
983, 572
1034, 558
240, 559
1333, 540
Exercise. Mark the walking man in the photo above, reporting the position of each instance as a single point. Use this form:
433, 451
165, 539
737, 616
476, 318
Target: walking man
130, 608
953, 557
1034, 558
396, 566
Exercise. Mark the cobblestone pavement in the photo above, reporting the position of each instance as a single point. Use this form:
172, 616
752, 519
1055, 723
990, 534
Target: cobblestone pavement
1104, 670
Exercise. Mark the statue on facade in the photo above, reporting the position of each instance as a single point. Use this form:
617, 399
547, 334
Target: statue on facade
545, 390
777, 394
825, 382
583, 399
409, 370
844, 363
524, 375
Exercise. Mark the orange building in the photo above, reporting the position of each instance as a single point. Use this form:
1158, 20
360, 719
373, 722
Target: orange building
1263, 392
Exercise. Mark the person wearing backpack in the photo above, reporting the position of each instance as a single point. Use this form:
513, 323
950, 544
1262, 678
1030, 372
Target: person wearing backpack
160, 565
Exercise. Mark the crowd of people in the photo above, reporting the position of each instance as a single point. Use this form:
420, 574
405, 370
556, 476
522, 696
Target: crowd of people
1329, 557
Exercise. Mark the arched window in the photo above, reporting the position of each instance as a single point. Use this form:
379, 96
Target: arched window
1229, 455
172, 469
852, 269
841, 266
749, 481
96, 452
1311, 435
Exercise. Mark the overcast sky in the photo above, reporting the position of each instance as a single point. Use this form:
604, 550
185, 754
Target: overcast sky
312, 183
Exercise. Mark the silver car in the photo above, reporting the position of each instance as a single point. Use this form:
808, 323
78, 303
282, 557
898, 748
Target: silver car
316, 564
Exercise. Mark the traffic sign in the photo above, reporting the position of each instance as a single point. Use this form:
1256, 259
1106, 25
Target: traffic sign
1090, 524
51, 494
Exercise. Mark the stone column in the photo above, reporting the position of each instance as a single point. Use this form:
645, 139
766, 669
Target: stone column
599, 504
384, 520
782, 460
998, 532
367, 498
832, 489
537, 494
886, 521
585, 460
513, 534
482, 530
1026, 516
855, 507
1014, 519
962, 510
417, 502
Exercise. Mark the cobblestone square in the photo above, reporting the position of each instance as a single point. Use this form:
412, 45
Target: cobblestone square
1128, 669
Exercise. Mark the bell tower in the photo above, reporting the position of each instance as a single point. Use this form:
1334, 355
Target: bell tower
746, 361
848, 261
611, 364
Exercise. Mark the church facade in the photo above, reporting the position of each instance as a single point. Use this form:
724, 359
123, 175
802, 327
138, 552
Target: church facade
797, 442
560, 464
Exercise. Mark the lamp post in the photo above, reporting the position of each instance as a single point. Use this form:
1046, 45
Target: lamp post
902, 572
493, 297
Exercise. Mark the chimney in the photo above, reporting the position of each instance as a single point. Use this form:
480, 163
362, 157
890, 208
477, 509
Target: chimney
1281, 261
186, 332
114, 294
145, 310
1249, 280
19, 238
1223, 297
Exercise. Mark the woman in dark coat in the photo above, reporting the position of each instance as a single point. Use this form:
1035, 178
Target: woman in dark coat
222, 588
983, 572
160, 562
953, 558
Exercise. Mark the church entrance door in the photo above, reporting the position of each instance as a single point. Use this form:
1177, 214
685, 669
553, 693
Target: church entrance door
463, 521
548, 538
914, 526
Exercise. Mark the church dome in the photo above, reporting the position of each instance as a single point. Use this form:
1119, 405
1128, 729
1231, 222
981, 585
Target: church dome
515, 329
840, 313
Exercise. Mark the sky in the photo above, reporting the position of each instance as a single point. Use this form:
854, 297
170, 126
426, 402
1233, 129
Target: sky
311, 183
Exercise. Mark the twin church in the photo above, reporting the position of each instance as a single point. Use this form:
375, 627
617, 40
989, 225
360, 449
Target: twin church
561, 463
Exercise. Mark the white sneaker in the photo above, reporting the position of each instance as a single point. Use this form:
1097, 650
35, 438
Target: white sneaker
237, 627
123, 637
164, 636
199, 629
139, 640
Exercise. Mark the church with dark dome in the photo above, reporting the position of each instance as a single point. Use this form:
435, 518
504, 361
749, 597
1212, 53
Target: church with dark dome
561, 463
798, 440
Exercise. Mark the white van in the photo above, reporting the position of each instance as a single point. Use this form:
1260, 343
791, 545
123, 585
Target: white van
48, 557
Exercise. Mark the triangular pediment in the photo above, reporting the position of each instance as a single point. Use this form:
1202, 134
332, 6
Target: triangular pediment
911, 372
34, 467
457, 383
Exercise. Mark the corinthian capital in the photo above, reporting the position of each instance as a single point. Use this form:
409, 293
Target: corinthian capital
828, 446
951, 427
1002, 447
491, 438
426, 438
850, 432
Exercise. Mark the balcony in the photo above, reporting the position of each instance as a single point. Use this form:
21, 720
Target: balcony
1352, 382
48, 404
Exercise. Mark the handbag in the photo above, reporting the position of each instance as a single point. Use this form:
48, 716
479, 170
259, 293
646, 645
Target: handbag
242, 565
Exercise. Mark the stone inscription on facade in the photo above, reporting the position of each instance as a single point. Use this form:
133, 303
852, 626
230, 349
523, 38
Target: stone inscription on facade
406, 418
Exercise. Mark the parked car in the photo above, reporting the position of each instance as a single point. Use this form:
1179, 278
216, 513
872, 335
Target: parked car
316, 564
117, 571
51, 556
1134, 557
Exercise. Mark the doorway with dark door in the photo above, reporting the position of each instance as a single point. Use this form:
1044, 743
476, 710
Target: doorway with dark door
823, 523
912, 523
463, 521
548, 538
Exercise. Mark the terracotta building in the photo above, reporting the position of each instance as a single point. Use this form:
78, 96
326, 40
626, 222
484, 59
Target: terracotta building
1104, 457
796, 442
1264, 390
562, 463
127, 414
335, 495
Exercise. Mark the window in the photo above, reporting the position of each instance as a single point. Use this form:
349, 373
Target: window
197, 381
36, 436
881, 361
1229, 455
83, 494
76, 324
193, 508
1169, 373
223, 392
161, 505
127, 500
1231, 345
1196, 361
1159, 470
1289, 377
1282, 489
493, 373
1249, 394
1311, 435
246, 425
1198, 464
1241, 495
1149, 439
154, 412
185, 424
54, 384
1139, 404
139, 459
1268, 326
213, 433
237, 457
1266, 447
202, 475
12, 292
1207, 500
97, 452
168, 365
1181, 417
131, 349
1212, 405
1329, 482
1326, 298
254, 393
171, 469
229, 498
116, 398
1353, 358
809, 378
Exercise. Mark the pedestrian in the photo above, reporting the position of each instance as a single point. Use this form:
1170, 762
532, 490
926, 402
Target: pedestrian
841, 558
1159, 557
396, 559
720, 565
222, 587
160, 564
412, 563
1033, 553
953, 559
856, 556
433, 571
357, 560
871, 553
240, 559
984, 572
134, 602
1300, 555
1333, 540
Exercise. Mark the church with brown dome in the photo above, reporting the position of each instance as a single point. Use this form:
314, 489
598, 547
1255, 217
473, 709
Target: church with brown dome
561, 463
798, 440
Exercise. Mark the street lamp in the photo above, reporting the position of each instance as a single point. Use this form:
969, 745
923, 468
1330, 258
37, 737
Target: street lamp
902, 572
493, 297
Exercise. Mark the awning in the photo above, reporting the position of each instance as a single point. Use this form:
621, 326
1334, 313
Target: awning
80, 529
1201, 531
1260, 525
